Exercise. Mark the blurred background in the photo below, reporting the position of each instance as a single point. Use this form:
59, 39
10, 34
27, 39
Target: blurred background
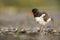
14, 13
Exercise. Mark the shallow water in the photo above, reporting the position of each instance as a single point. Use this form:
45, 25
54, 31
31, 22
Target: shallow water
23, 20
30, 37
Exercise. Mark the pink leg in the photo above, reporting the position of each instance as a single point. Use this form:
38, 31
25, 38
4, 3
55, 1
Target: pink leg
41, 28
41, 32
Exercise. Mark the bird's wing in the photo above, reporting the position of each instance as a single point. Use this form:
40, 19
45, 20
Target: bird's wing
46, 17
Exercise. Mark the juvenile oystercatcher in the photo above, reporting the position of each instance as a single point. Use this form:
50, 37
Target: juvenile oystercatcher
41, 17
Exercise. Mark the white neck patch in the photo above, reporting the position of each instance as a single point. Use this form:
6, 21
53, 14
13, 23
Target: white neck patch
42, 15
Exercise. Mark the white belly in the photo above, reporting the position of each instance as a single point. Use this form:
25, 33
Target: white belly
41, 20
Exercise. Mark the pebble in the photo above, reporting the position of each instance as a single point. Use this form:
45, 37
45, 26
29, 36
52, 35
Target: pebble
27, 30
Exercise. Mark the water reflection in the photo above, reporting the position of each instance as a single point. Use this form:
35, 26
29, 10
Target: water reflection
29, 37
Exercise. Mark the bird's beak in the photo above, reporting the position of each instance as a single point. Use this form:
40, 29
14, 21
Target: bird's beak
30, 14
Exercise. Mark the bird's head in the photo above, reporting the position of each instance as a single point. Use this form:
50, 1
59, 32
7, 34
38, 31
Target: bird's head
34, 11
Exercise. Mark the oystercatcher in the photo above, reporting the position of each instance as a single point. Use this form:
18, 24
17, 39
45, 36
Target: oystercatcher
41, 17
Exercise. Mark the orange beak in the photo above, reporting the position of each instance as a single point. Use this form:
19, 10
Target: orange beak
30, 14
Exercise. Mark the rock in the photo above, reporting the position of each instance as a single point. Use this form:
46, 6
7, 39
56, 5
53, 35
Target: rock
33, 30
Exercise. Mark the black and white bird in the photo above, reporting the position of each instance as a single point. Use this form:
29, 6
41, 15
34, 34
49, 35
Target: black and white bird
41, 17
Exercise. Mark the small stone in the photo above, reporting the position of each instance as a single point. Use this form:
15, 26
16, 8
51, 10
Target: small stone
54, 30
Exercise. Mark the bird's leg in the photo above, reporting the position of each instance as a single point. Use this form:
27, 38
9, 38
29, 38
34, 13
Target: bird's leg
41, 28
41, 32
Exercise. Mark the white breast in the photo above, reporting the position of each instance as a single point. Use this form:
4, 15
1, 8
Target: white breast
41, 20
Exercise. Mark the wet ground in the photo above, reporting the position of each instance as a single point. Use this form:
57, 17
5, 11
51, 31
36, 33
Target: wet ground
23, 20
30, 37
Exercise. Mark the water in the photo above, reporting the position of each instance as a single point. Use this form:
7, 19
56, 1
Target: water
23, 20
30, 37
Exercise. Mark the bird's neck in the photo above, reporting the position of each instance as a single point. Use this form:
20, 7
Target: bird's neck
37, 14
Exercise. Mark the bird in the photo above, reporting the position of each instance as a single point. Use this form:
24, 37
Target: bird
41, 17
